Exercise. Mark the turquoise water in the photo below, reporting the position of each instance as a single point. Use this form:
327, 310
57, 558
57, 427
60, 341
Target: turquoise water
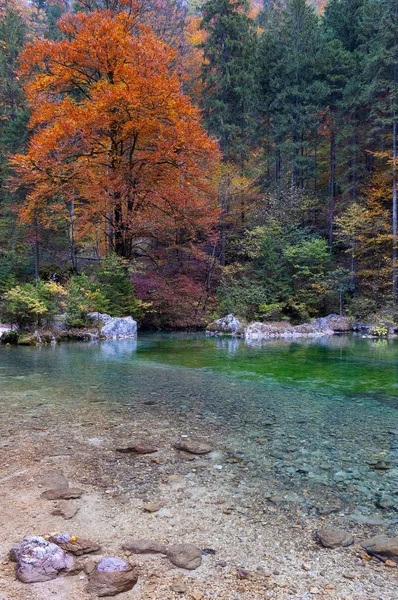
309, 417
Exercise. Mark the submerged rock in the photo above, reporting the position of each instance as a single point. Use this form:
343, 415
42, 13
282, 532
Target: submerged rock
186, 556
382, 547
332, 537
193, 447
144, 547
40, 560
112, 576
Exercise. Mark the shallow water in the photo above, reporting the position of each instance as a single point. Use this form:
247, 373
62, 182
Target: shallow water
305, 420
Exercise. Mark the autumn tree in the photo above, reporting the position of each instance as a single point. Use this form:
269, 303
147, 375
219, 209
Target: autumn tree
118, 151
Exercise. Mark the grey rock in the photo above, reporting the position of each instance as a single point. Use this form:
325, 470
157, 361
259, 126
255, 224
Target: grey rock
332, 537
365, 519
179, 587
226, 325
98, 317
341, 476
120, 327
40, 560
66, 509
382, 546
387, 503
51, 480
112, 576
144, 547
186, 556
62, 494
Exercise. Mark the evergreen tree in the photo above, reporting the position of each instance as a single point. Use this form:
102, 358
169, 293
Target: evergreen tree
228, 75
290, 78
13, 135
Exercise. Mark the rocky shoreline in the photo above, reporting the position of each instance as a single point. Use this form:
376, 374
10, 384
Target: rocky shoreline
103, 327
324, 326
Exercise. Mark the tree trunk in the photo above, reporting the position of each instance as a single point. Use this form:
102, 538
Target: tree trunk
37, 252
394, 215
332, 184
71, 237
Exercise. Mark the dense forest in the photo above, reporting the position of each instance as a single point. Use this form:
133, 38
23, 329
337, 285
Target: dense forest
179, 161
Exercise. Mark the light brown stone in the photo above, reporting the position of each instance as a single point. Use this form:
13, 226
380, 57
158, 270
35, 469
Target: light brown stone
186, 556
332, 537
144, 547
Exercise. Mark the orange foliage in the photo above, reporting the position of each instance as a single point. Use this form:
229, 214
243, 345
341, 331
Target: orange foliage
193, 59
114, 136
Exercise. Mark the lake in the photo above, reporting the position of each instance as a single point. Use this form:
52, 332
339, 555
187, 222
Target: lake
316, 418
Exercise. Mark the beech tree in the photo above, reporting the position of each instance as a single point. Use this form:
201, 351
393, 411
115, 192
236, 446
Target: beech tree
117, 150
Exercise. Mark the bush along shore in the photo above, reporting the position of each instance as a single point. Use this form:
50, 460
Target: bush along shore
330, 325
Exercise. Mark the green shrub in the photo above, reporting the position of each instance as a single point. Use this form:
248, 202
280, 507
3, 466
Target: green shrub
84, 296
28, 304
114, 278
271, 312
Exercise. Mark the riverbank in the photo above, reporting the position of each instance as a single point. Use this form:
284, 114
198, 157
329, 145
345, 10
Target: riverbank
323, 326
256, 530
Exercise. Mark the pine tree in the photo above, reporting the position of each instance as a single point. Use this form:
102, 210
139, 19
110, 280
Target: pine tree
13, 135
228, 75
290, 77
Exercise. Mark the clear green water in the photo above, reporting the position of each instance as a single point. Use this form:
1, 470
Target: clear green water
306, 417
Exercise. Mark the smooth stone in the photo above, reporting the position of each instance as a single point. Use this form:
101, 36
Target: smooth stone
193, 447
381, 465
112, 576
66, 509
52, 480
179, 588
40, 560
332, 537
175, 479
364, 520
382, 546
387, 503
186, 556
76, 546
154, 506
62, 494
144, 547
